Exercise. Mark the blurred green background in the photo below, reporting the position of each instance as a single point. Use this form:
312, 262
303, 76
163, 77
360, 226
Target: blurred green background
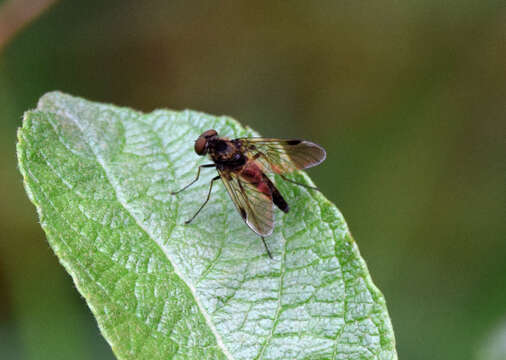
408, 98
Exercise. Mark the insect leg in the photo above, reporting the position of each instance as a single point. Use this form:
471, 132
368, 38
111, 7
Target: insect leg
266, 248
297, 183
196, 178
205, 202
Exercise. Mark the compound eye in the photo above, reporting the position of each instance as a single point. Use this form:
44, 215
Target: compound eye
201, 145
209, 133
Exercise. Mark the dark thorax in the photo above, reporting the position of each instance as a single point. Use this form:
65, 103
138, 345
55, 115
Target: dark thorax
226, 153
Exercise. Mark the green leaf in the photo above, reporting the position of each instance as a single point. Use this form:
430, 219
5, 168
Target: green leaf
100, 177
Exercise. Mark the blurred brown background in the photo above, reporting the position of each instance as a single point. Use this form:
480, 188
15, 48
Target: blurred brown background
408, 98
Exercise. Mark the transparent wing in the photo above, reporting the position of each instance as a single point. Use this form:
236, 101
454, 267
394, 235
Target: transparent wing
255, 207
284, 156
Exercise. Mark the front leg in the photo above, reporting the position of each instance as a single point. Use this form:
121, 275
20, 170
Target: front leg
196, 178
205, 202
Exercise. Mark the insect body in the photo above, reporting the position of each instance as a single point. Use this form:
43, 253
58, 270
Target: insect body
242, 165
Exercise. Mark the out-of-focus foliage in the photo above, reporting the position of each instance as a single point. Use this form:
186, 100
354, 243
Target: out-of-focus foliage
408, 98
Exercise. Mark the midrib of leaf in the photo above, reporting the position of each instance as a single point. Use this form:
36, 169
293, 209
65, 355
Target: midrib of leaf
384, 330
278, 309
121, 199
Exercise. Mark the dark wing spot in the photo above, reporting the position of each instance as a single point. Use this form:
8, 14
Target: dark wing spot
294, 142
243, 213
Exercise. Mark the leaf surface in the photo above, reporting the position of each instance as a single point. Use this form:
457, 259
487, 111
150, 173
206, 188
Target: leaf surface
100, 177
